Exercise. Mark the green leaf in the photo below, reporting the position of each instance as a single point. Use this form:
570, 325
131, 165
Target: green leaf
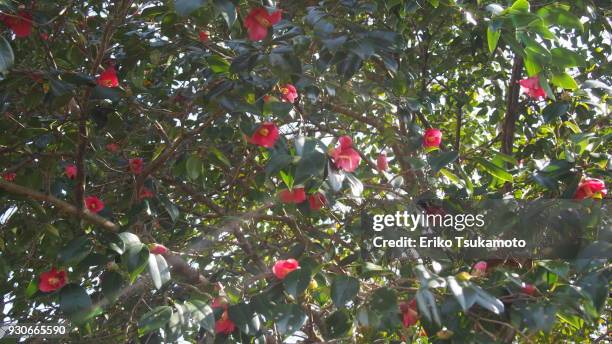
125, 240
438, 161
520, 5
244, 317
487, 301
465, 296
75, 303
112, 285
111, 93
495, 9
218, 64
228, 11
179, 322
544, 84
311, 165
31, 289
75, 251
7, 58
219, 155
339, 323
427, 305
434, 3
277, 162
368, 318
564, 80
349, 66
288, 318
494, 170
343, 290
553, 110
159, 270
559, 15
297, 281
201, 314
135, 260
564, 58
384, 300
194, 166
492, 38
596, 84
287, 179
532, 66
157, 318
51, 229
185, 7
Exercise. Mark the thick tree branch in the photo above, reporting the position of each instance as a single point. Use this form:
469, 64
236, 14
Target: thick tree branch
63, 206
511, 107
509, 125
458, 127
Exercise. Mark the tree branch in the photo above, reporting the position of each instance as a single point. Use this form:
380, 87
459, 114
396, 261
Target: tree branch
61, 205
511, 111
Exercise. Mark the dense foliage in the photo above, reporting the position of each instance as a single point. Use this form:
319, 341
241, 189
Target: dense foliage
203, 169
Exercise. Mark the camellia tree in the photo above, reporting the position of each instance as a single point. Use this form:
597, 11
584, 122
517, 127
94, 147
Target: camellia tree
203, 170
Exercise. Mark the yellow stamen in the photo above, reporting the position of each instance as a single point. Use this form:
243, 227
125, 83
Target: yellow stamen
264, 132
263, 21
54, 281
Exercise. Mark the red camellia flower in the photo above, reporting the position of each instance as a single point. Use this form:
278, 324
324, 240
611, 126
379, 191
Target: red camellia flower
432, 138
108, 78
289, 93
591, 188
21, 24
265, 135
112, 147
479, 269
224, 325
145, 193
158, 249
258, 21
410, 315
283, 267
531, 86
528, 289
93, 204
203, 35
316, 201
381, 162
219, 302
9, 176
345, 157
52, 280
70, 171
136, 165
296, 195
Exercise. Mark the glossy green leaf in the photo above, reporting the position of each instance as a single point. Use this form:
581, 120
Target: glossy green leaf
155, 319
288, 318
343, 290
564, 80
297, 281
492, 38
185, 7
7, 58
440, 160
159, 270
75, 251
494, 170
